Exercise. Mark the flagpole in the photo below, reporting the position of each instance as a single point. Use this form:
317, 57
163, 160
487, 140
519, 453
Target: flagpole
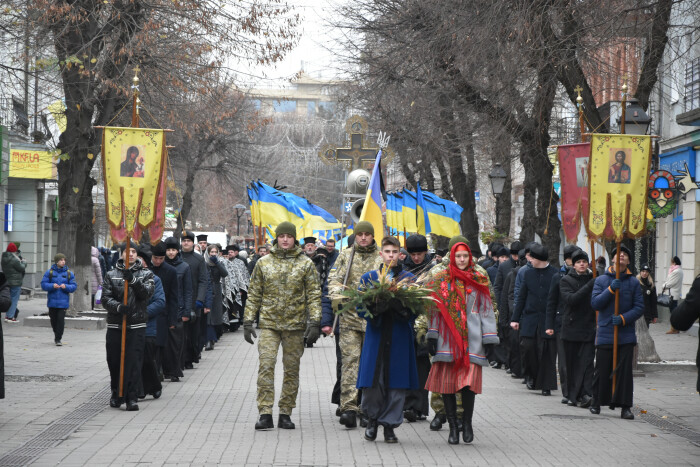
134, 124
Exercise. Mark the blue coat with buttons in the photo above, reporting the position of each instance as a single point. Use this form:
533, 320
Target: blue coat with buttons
58, 298
155, 308
531, 301
631, 307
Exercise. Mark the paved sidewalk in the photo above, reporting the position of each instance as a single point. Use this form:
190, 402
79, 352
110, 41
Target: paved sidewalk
208, 418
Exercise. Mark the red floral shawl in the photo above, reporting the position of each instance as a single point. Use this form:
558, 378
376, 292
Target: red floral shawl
452, 302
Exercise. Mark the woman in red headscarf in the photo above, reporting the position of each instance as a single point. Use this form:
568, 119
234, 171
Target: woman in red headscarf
462, 324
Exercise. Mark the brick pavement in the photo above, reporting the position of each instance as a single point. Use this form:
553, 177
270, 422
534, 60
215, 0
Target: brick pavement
207, 419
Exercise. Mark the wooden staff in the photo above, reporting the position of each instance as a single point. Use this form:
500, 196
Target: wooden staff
617, 312
595, 273
126, 297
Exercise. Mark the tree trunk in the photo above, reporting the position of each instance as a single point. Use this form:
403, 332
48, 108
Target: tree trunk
186, 201
646, 349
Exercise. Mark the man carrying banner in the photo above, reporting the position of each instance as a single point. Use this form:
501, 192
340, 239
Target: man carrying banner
631, 309
352, 263
141, 288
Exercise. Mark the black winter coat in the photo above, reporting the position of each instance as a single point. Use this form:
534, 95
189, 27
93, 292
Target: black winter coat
140, 291
168, 277
685, 314
649, 293
199, 276
184, 287
499, 284
531, 302
554, 306
578, 316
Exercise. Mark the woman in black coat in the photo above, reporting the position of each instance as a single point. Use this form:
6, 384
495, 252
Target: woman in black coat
651, 314
215, 317
685, 314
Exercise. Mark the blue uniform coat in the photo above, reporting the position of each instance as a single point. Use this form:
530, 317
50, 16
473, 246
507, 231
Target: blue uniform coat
58, 298
403, 373
631, 307
155, 308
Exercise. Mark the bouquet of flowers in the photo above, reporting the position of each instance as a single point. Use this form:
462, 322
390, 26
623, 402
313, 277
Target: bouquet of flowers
386, 295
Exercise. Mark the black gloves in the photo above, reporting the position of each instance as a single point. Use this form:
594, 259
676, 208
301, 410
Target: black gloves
432, 346
124, 309
313, 330
249, 333
128, 275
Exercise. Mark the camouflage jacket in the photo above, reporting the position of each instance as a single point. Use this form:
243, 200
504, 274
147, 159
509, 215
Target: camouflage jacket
285, 290
366, 259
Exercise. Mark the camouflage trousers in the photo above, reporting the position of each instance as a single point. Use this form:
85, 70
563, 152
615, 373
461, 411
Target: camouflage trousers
292, 350
439, 406
350, 348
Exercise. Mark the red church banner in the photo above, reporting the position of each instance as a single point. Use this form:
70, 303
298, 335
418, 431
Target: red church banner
573, 172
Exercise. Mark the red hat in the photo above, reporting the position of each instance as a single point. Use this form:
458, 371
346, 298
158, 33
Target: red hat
12, 248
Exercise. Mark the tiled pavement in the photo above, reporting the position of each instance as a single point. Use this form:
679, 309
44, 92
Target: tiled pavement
207, 419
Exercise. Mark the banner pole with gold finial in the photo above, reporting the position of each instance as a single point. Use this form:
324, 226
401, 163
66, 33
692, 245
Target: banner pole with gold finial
127, 249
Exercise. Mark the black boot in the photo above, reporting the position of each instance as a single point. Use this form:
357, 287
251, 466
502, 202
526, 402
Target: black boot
363, 420
265, 422
436, 423
371, 430
389, 436
131, 406
284, 422
209, 346
626, 414
468, 406
115, 401
450, 401
349, 419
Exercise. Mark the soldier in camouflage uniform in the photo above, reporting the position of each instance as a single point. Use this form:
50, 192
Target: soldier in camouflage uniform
352, 327
285, 291
422, 327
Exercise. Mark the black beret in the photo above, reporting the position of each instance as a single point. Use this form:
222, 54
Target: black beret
569, 250
416, 243
538, 251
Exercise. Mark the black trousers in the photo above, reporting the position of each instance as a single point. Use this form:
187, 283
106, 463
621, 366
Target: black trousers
172, 354
515, 359
602, 377
149, 368
539, 361
417, 399
335, 395
504, 331
58, 320
579, 369
133, 360
561, 365
191, 351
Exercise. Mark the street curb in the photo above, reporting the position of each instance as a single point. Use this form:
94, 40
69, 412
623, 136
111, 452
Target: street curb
70, 323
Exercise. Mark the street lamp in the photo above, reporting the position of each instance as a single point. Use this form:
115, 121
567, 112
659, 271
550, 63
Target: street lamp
240, 210
498, 181
637, 122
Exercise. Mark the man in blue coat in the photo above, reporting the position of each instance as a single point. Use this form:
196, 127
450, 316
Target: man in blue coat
149, 368
388, 360
631, 309
59, 283
174, 363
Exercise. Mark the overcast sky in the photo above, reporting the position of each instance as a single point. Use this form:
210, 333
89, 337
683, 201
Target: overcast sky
316, 38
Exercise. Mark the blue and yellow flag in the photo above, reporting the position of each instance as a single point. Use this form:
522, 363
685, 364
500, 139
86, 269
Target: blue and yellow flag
409, 210
422, 220
275, 207
444, 215
372, 209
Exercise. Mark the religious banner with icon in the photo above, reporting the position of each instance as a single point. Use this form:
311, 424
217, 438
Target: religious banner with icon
133, 168
573, 173
618, 185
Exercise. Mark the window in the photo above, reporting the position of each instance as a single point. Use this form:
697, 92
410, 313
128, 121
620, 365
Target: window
692, 85
285, 106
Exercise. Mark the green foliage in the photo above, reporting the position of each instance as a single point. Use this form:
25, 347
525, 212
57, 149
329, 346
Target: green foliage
491, 236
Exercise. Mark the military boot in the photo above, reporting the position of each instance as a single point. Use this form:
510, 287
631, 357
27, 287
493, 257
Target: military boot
436, 423
285, 422
265, 422
349, 419
371, 430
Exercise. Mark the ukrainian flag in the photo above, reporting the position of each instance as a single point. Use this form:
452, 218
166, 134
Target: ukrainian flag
275, 207
444, 215
422, 219
409, 210
372, 209
254, 208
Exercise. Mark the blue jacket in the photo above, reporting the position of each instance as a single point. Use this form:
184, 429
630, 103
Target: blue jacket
403, 373
168, 278
531, 300
58, 298
156, 308
631, 307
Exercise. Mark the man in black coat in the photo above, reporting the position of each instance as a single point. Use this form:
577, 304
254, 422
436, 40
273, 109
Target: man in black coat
577, 330
537, 349
200, 285
554, 312
175, 361
651, 313
685, 314
141, 288
505, 311
171, 319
